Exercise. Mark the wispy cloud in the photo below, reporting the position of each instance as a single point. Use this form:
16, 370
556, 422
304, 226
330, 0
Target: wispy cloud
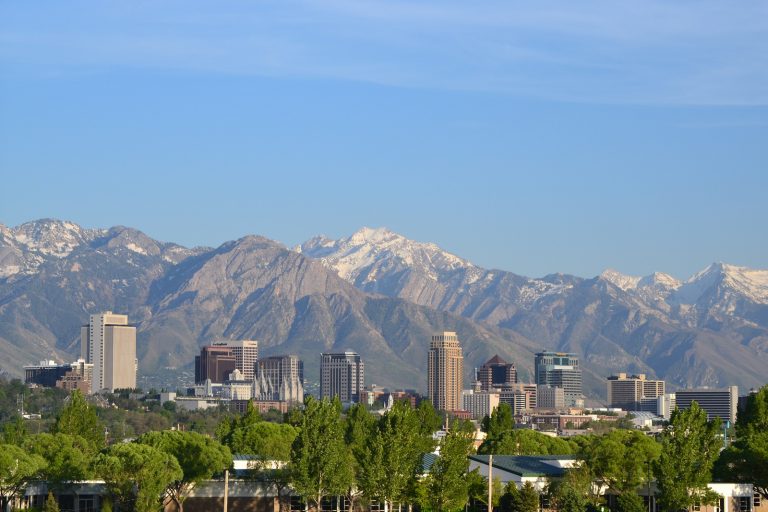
642, 51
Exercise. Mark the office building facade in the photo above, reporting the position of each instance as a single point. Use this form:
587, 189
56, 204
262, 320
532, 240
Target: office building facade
279, 378
342, 374
246, 354
550, 397
479, 405
496, 373
721, 403
45, 374
219, 359
445, 370
630, 392
109, 344
562, 370
214, 363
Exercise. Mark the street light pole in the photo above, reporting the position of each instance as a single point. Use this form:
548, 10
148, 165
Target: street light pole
490, 483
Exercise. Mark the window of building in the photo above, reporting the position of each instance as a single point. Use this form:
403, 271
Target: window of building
745, 503
696, 506
756, 500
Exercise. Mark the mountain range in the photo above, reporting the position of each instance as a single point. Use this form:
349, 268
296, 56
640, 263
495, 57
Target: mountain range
375, 292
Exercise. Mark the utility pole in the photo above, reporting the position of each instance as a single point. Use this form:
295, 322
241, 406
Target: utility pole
226, 489
649, 485
490, 483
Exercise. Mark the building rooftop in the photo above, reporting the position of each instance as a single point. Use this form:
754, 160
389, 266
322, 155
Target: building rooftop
530, 466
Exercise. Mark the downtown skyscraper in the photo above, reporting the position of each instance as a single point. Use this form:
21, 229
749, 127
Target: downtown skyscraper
445, 370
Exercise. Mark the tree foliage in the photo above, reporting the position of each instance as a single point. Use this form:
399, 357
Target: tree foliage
198, 456
50, 505
447, 485
69, 457
499, 422
746, 460
17, 469
78, 418
620, 461
319, 456
524, 442
265, 440
477, 486
689, 447
137, 475
529, 498
573, 492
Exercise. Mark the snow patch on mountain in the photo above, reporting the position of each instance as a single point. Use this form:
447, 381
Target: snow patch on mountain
620, 280
349, 257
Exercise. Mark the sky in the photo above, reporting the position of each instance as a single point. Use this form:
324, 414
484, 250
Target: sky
535, 137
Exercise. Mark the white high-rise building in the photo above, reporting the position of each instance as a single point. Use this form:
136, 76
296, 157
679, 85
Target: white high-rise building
246, 354
109, 343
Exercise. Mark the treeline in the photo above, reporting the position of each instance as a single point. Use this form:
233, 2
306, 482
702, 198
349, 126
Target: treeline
122, 416
388, 459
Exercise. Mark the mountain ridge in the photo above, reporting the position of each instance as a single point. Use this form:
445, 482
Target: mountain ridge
707, 330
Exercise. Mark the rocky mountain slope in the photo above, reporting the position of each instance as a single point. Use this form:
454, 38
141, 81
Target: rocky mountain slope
182, 298
709, 330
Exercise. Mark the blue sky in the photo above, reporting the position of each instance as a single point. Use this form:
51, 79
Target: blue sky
536, 137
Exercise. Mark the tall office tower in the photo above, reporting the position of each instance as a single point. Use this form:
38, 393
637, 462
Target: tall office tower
628, 392
561, 370
214, 363
496, 373
445, 367
341, 374
279, 378
109, 343
720, 403
246, 354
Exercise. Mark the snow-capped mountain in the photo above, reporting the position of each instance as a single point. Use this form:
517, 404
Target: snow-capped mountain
614, 320
375, 292
24, 248
381, 261
360, 255
180, 298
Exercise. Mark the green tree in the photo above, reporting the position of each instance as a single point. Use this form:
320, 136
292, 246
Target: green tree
446, 483
319, 456
69, 458
398, 434
689, 447
17, 469
573, 492
78, 418
267, 441
199, 458
50, 505
429, 419
499, 422
477, 486
529, 498
524, 442
137, 475
366, 452
510, 499
630, 502
746, 460
620, 460
14, 431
